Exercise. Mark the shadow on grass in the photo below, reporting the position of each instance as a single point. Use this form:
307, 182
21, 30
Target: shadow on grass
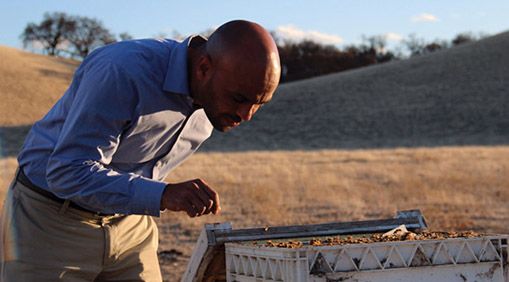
11, 139
66, 76
247, 139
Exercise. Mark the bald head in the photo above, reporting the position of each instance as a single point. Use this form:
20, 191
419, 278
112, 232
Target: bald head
241, 42
234, 73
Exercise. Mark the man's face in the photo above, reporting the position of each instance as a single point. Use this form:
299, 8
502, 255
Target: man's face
232, 95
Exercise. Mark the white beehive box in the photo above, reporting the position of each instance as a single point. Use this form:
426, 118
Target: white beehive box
222, 253
454, 259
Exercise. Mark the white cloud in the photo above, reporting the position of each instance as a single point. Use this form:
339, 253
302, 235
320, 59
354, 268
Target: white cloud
425, 17
295, 34
392, 36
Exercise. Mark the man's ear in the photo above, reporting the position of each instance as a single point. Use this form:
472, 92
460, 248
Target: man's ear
204, 67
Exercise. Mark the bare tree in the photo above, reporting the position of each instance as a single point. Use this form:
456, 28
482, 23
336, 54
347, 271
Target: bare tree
463, 38
51, 33
432, 47
125, 36
88, 35
177, 35
208, 32
376, 42
377, 46
436, 45
414, 44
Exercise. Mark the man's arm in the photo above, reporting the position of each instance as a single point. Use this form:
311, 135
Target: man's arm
104, 105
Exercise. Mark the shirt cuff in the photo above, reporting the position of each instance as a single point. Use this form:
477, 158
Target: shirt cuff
147, 196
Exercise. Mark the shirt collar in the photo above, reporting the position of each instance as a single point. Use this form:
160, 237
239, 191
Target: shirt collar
177, 80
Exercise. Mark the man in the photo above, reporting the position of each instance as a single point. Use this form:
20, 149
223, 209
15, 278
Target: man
91, 171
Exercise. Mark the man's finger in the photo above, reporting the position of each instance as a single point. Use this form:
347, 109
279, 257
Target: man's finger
216, 208
197, 205
189, 209
207, 202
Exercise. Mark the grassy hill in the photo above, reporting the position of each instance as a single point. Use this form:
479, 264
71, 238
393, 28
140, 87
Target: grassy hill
30, 84
459, 96
454, 97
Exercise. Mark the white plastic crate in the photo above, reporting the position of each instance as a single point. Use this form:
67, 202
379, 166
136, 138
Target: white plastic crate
454, 259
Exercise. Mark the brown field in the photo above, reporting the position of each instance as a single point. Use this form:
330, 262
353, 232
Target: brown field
457, 188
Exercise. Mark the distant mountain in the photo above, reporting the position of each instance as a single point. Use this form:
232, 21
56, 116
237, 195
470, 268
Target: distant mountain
458, 96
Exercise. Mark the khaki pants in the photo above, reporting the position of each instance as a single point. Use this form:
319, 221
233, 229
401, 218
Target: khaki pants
42, 240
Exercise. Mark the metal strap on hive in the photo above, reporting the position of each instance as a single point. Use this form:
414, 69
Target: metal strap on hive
412, 219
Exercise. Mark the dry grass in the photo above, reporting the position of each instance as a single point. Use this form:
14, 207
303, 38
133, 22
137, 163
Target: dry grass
457, 188
30, 84
7, 170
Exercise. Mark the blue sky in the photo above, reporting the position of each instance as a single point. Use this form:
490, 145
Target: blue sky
339, 22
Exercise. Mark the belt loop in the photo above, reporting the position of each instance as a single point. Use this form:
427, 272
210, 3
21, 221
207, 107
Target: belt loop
64, 207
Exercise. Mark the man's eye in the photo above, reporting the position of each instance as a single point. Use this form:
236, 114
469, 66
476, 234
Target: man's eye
239, 99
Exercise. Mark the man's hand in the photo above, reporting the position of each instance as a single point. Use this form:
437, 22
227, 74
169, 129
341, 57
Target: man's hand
194, 197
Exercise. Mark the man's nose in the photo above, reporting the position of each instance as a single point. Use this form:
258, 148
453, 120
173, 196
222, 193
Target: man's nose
247, 111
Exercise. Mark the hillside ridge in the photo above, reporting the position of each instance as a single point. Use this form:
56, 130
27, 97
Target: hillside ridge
458, 96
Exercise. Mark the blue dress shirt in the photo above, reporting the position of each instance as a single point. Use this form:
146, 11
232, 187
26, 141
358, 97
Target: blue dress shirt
124, 123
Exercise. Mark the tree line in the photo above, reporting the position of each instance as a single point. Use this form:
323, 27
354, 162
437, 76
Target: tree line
60, 34
306, 58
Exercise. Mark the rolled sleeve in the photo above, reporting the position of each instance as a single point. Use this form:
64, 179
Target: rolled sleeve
103, 107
